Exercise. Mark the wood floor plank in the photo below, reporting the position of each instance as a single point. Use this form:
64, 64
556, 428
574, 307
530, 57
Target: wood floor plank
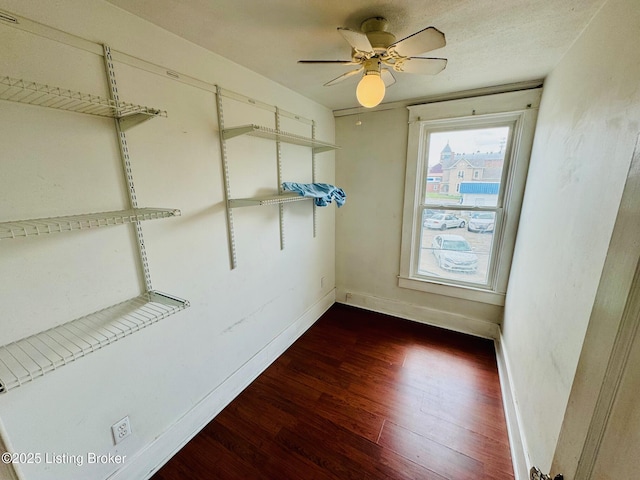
430, 454
361, 395
492, 453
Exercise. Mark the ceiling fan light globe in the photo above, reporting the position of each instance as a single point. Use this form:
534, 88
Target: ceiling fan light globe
370, 90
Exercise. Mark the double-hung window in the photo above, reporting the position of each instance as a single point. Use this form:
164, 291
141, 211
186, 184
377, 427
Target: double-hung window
458, 240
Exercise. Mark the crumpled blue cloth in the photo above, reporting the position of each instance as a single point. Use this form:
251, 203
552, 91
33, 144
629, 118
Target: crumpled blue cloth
322, 193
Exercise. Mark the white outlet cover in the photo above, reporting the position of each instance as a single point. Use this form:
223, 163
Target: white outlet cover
121, 430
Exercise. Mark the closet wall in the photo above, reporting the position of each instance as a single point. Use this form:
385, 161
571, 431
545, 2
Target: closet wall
171, 377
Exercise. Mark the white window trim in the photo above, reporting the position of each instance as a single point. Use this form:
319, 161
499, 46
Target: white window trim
522, 108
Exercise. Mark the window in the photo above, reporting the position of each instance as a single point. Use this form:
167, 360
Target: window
463, 247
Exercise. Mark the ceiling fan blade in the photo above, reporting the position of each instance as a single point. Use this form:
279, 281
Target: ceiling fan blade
420, 42
357, 40
341, 62
387, 77
421, 65
343, 77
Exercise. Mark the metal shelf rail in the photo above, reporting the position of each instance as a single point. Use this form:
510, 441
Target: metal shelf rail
279, 136
266, 200
32, 93
43, 226
22, 91
32, 357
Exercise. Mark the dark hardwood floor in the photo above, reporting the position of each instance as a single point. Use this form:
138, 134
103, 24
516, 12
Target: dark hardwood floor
361, 396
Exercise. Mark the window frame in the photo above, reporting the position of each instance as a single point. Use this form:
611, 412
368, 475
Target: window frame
519, 109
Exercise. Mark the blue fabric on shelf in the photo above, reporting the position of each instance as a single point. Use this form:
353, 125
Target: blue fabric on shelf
323, 193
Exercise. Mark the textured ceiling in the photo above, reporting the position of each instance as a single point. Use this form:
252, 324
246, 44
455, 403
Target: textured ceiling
489, 42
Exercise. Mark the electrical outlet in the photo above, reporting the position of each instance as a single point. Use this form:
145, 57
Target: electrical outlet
121, 430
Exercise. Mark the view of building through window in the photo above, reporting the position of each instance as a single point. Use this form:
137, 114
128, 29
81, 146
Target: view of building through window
462, 187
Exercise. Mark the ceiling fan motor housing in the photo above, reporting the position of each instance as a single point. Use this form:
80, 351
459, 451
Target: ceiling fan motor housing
375, 29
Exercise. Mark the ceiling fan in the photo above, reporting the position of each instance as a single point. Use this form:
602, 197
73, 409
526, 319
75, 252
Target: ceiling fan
376, 52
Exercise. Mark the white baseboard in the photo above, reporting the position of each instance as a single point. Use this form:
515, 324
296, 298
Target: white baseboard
146, 462
517, 441
422, 314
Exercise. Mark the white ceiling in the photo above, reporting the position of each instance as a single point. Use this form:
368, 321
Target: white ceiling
489, 42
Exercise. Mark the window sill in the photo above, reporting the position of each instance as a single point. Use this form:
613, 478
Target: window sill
457, 291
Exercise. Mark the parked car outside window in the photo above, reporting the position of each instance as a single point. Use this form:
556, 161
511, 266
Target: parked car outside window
442, 221
482, 222
454, 253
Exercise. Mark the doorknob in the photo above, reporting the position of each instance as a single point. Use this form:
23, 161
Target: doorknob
536, 474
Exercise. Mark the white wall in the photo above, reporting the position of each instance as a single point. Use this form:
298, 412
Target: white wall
587, 128
175, 375
371, 169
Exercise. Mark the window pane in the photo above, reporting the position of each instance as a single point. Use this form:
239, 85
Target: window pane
464, 167
456, 245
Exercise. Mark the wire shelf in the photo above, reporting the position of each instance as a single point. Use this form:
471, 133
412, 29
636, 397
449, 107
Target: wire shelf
43, 226
32, 93
267, 200
32, 357
278, 135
